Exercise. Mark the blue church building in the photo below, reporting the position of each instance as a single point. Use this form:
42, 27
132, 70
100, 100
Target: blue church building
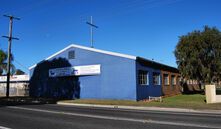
109, 75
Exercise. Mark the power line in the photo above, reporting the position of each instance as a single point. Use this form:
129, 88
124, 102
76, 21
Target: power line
23, 66
128, 8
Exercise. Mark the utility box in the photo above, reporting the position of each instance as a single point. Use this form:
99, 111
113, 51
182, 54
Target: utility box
210, 94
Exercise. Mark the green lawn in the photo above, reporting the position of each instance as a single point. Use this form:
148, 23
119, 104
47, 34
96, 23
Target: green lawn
196, 101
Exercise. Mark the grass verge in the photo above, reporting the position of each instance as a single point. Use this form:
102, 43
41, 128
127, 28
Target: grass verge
196, 101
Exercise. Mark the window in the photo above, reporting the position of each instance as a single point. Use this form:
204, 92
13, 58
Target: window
188, 82
71, 54
173, 80
156, 78
179, 80
166, 79
143, 77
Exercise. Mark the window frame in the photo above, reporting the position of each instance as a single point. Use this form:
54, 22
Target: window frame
173, 80
143, 78
71, 54
168, 79
179, 80
158, 76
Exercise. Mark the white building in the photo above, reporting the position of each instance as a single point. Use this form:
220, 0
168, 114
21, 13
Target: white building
18, 85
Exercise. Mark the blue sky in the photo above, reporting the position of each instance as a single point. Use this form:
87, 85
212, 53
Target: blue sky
146, 28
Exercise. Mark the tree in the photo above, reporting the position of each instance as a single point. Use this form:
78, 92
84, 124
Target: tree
198, 55
3, 63
19, 72
41, 85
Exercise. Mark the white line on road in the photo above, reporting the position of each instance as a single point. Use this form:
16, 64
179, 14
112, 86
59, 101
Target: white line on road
118, 118
2, 127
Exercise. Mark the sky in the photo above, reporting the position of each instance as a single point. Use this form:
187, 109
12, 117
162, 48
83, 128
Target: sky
146, 28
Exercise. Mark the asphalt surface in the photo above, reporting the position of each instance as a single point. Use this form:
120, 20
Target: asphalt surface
75, 117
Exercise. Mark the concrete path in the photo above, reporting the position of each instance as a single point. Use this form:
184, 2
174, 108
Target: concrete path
144, 108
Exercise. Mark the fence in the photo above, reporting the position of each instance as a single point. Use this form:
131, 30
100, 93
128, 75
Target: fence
16, 89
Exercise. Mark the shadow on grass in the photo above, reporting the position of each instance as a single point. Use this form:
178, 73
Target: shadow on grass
14, 101
194, 92
190, 89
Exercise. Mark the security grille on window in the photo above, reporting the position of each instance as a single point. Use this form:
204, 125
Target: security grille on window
166, 79
71, 54
156, 78
143, 77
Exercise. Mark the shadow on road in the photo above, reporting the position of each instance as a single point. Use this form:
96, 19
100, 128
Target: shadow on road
14, 101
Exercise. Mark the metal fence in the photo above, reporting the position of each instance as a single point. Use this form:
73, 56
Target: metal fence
16, 89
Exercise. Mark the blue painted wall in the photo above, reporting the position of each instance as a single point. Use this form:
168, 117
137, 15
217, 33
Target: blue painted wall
144, 91
116, 81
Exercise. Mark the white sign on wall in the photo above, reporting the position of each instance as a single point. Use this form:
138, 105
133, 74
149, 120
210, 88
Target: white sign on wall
60, 72
76, 70
87, 70
15, 78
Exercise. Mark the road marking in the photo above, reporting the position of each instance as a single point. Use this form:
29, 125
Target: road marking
118, 118
172, 113
2, 127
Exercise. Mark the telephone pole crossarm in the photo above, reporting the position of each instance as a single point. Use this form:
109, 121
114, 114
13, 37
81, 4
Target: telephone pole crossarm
10, 16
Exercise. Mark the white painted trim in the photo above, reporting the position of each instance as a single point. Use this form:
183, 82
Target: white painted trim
57, 53
32, 66
90, 49
105, 52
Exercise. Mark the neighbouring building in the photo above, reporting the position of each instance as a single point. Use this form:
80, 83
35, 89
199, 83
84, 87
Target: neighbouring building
18, 85
109, 75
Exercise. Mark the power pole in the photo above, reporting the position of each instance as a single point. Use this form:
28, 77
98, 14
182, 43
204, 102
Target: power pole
91, 28
10, 38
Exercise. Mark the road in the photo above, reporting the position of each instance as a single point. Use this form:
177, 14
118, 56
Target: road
74, 117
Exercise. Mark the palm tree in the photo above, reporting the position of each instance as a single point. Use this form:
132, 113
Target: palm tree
3, 63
